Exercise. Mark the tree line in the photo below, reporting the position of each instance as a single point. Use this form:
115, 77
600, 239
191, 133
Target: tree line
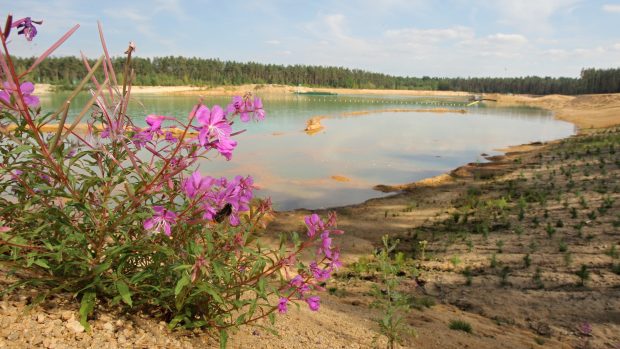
167, 71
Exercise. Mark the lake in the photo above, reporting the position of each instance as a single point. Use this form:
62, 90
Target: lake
296, 170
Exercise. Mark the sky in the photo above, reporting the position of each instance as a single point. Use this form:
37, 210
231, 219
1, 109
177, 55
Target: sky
398, 37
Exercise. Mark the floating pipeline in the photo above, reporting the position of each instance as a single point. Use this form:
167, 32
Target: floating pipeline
313, 125
387, 101
433, 110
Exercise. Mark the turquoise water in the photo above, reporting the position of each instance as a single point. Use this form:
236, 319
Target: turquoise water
296, 169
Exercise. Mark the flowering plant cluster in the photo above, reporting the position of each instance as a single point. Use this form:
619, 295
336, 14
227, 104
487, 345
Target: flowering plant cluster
121, 214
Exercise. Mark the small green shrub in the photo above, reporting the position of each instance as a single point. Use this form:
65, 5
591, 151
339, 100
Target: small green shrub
550, 230
503, 275
537, 278
493, 261
394, 303
583, 274
562, 247
455, 261
468, 276
460, 325
573, 213
420, 303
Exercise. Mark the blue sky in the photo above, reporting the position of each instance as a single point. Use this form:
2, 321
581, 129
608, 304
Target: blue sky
400, 37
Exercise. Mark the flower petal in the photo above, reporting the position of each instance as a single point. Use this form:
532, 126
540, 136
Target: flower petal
27, 87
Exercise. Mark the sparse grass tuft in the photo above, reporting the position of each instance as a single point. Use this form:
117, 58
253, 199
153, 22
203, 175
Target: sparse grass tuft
527, 261
584, 275
460, 325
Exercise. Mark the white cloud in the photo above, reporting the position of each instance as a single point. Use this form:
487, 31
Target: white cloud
615, 8
513, 39
531, 15
272, 42
555, 53
415, 36
334, 26
617, 46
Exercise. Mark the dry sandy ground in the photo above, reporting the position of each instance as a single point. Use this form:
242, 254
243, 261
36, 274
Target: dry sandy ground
585, 111
581, 173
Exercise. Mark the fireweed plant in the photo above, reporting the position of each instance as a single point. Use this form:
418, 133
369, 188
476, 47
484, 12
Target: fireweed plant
120, 214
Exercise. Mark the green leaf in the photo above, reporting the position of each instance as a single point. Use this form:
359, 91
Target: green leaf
213, 293
261, 287
20, 149
124, 292
101, 268
252, 308
223, 339
258, 267
42, 263
175, 321
217, 268
182, 267
184, 281
86, 308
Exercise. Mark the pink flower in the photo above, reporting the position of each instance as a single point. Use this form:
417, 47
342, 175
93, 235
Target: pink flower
26, 88
244, 106
170, 137
26, 28
15, 174
162, 218
314, 302
259, 112
326, 244
282, 305
4, 229
237, 193
215, 131
155, 121
141, 138
298, 283
197, 184
236, 106
107, 131
314, 224
334, 260
318, 273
